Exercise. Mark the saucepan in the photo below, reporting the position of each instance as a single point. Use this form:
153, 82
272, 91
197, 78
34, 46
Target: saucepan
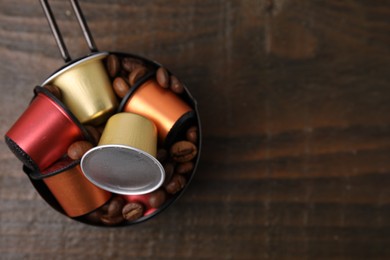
110, 138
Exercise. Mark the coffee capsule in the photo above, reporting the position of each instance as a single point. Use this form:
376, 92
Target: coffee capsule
44, 131
158, 196
124, 161
162, 106
86, 89
75, 194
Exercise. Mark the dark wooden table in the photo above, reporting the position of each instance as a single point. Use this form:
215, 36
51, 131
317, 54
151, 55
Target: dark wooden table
294, 98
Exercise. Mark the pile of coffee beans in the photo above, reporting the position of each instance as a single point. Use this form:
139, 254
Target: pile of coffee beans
178, 159
126, 71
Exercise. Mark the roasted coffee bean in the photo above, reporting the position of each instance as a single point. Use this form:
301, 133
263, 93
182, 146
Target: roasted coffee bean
184, 168
183, 151
103, 209
176, 184
162, 77
120, 87
162, 155
192, 134
111, 220
56, 91
132, 211
115, 206
94, 133
176, 85
78, 149
113, 65
110, 213
169, 169
94, 217
136, 74
129, 64
157, 198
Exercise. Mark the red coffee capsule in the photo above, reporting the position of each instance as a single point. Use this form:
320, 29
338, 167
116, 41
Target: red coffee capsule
43, 133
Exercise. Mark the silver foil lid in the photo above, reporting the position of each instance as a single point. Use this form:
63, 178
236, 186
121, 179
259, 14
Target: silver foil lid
122, 169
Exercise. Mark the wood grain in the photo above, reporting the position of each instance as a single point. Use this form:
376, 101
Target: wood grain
294, 99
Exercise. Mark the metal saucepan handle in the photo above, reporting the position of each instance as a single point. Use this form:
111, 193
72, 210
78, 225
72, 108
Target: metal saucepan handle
56, 33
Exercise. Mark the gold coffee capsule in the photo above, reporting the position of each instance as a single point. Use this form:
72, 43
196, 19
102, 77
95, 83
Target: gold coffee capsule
86, 89
124, 161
